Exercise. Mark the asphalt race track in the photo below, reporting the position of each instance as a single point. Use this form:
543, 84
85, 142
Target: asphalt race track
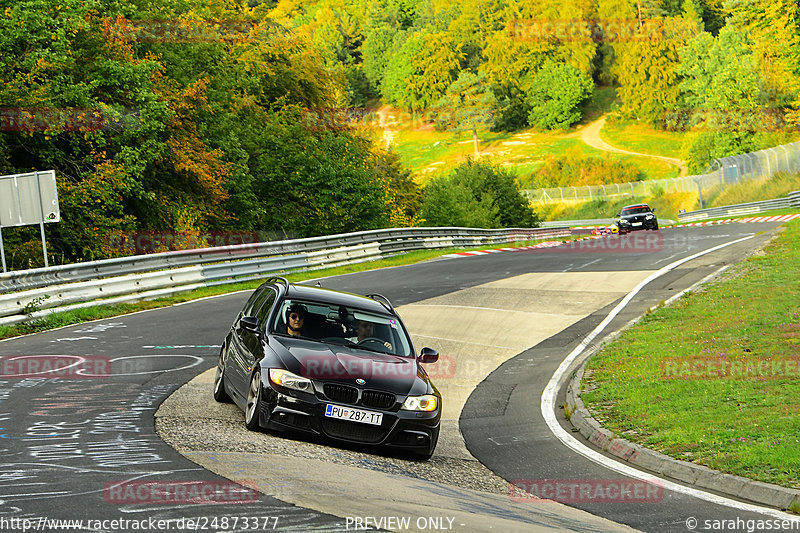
83, 447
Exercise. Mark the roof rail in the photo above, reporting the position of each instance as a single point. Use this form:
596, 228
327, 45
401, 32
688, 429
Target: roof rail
280, 280
383, 300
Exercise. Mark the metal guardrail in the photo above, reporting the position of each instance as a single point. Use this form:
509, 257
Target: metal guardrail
574, 223
137, 277
793, 200
592, 222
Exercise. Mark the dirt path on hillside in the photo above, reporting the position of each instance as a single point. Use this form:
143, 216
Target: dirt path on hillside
591, 136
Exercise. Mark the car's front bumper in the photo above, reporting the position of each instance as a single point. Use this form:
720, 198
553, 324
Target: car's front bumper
412, 431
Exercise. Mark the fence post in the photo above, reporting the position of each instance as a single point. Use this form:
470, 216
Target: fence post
769, 169
796, 149
786, 152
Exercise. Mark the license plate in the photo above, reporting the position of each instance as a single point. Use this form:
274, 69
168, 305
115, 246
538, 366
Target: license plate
637, 224
354, 415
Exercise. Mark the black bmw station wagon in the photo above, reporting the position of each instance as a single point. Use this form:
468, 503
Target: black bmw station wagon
329, 363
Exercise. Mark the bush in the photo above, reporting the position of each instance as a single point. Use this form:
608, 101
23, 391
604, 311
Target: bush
476, 195
574, 169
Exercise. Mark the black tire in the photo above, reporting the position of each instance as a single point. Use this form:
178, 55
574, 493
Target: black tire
423, 456
220, 394
253, 408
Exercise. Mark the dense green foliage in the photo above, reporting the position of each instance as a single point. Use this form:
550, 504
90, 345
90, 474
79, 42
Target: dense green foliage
185, 117
575, 169
477, 195
556, 94
191, 116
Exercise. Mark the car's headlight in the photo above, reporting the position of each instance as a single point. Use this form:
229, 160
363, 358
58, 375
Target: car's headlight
429, 402
284, 378
650, 217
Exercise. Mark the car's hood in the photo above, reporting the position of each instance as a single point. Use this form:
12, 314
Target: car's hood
329, 362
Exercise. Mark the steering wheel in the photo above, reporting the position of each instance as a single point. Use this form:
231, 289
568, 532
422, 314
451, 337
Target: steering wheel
382, 342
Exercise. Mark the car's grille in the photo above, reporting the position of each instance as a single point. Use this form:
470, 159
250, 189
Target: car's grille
378, 400
353, 430
341, 393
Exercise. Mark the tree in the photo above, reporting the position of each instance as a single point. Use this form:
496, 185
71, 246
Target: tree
468, 106
422, 67
718, 73
645, 69
556, 94
773, 28
376, 53
721, 93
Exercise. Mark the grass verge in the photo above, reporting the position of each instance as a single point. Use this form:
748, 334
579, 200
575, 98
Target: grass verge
778, 186
667, 206
638, 137
428, 153
678, 381
77, 316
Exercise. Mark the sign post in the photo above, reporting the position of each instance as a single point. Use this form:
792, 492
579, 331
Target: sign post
27, 199
41, 218
2, 251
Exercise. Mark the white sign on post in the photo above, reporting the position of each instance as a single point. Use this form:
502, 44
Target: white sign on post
26, 199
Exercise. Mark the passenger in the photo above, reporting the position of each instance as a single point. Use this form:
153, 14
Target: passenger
295, 318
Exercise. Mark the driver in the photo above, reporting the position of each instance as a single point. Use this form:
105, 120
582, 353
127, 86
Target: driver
365, 330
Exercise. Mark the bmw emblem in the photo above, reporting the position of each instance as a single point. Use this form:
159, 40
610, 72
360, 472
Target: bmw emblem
360, 381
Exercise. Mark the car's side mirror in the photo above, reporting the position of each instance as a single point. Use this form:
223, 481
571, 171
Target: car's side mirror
428, 355
249, 323
618, 215
653, 210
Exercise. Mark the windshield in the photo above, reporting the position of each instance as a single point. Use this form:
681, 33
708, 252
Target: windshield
635, 210
338, 324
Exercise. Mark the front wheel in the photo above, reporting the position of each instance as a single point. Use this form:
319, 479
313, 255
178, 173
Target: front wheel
251, 414
220, 394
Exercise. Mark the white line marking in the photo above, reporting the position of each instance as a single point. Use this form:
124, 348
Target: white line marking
548, 405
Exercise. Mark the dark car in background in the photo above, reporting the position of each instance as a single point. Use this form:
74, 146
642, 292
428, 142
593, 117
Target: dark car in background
636, 217
332, 364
